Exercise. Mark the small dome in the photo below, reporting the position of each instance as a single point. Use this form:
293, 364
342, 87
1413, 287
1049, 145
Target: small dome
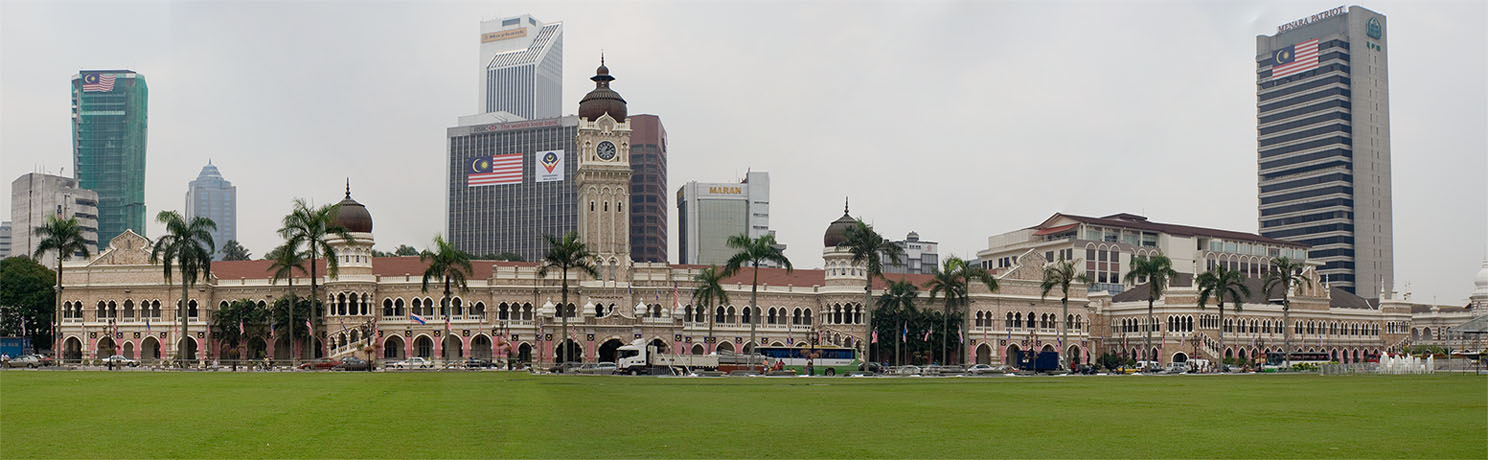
352, 215
1481, 281
837, 231
602, 99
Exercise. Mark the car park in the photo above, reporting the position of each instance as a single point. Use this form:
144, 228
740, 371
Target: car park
120, 361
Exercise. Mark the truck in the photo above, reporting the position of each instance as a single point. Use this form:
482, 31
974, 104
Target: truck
638, 358
15, 346
1040, 362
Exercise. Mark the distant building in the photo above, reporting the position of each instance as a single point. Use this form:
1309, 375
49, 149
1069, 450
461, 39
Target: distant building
648, 189
511, 183
920, 257
521, 67
1104, 246
709, 213
1323, 131
109, 119
215, 198
34, 196
5, 239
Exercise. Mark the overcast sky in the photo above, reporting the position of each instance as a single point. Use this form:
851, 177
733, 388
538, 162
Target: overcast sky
957, 120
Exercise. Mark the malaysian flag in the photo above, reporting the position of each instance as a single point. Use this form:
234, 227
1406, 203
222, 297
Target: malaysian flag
1294, 59
94, 82
495, 170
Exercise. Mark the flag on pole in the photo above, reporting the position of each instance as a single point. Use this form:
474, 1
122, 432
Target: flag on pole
927, 335
240, 327
416, 317
23, 327
959, 337
904, 337
147, 325
310, 328
875, 336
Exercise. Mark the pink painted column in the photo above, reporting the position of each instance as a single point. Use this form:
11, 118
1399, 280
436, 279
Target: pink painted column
439, 348
407, 347
136, 348
464, 346
92, 348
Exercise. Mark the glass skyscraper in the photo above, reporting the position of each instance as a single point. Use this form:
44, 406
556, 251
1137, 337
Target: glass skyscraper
485, 218
521, 67
1323, 119
215, 198
109, 118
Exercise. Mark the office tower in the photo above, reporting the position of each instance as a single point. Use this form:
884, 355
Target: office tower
648, 189
521, 67
34, 196
509, 184
709, 213
215, 198
1323, 118
109, 118
920, 256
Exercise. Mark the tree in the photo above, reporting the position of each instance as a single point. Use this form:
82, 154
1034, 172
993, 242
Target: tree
286, 309
896, 306
709, 293
565, 254
868, 248
186, 245
65, 237
751, 252
1060, 275
286, 261
1286, 274
26, 298
1158, 271
312, 228
405, 250
231, 250
1219, 283
953, 280
238, 321
450, 266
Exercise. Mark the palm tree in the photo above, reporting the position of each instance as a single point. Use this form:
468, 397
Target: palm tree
1286, 273
311, 228
868, 248
232, 250
188, 246
1061, 274
752, 252
286, 261
1219, 283
953, 279
709, 293
450, 265
1158, 270
567, 253
66, 237
898, 301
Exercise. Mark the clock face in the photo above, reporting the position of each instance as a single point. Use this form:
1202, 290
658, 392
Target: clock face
605, 150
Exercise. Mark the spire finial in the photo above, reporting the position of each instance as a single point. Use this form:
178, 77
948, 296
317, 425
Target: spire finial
348, 188
601, 56
844, 205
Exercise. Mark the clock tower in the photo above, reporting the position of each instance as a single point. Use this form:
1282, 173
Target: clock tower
603, 180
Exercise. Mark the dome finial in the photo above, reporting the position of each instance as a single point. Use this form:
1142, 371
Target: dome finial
844, 206
348, 188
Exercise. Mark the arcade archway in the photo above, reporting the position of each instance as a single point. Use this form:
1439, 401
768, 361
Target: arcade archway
608, 349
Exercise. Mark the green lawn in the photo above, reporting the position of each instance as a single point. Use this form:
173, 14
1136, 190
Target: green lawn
465, 415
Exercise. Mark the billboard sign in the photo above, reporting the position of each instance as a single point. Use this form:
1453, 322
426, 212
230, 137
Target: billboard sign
549, 167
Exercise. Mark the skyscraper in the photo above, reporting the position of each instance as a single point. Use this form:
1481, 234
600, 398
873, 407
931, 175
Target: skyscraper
215, 198
521, 67
648, 189
34, 196
1323, 118
709, 213
511, 183
109, 117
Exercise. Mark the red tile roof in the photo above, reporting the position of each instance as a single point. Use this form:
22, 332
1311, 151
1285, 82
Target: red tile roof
382, 266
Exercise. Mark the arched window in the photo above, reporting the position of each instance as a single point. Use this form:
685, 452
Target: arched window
479, 310
1031, 324
154, 309
836, 314
1007, 322
718, 315
731, 315
806, 318
858, 314
341, 304
366, 304
191, 309
526, 312
796, 316
398, 307
459, 306
387, 307
102, 310
501, 313
747, 317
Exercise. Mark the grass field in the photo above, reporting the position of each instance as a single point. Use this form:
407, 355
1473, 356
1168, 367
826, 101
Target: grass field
466, 415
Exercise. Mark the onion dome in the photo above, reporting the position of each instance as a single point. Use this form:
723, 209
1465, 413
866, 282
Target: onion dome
837, 231
352, 215
602, 99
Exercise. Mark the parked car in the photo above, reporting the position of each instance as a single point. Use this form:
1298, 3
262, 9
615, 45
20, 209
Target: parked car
31, 361
945, 370
45, 360
320, 364
566, 368
906, 370
605, 368
415, 362
986, 369
478, 363
120, 361
352, 363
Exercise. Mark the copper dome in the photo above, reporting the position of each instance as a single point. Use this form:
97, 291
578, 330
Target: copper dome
352, 215
837, 231
602, 99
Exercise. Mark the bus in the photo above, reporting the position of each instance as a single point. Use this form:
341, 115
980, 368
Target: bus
1277, 359
828, 360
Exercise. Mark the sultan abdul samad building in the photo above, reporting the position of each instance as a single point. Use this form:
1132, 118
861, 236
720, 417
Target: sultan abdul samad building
119, 303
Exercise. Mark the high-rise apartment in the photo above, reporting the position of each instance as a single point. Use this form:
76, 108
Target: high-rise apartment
521, 67
109, 118
213, 197
1323, 119
709, 213
648, 189
34, 196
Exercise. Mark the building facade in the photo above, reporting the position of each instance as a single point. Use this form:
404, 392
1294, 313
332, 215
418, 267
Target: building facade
1323, 133
491, 214
521, 67
648, 189
35, 196
708, 213
109, 123
1104, 246
5, 233
920, 256
213, 197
